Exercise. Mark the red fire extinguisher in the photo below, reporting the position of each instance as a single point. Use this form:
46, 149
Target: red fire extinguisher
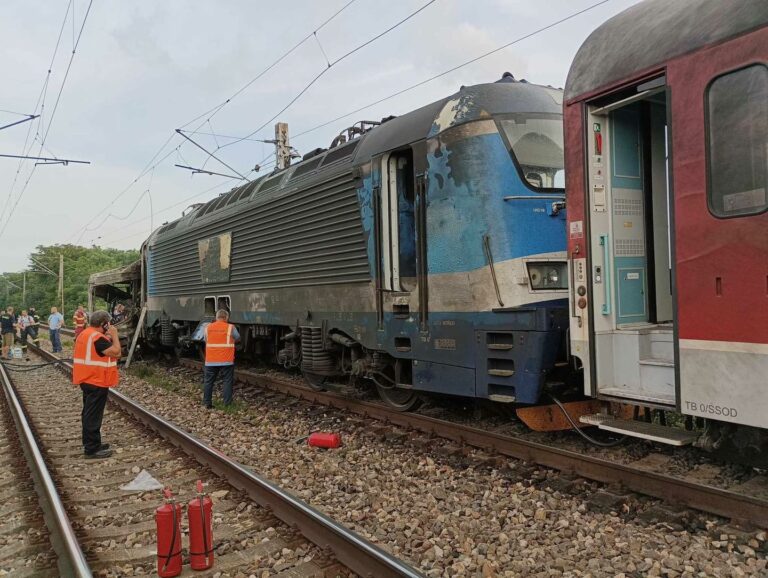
168, 521
324, 440
200, 512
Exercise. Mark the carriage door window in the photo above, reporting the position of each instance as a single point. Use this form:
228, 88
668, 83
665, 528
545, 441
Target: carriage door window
737, 142
397, 225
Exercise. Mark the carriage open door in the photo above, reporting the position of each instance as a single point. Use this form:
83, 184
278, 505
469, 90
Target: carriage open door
666, 156
629, 223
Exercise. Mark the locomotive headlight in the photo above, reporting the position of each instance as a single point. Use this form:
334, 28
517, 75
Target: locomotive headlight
548, 276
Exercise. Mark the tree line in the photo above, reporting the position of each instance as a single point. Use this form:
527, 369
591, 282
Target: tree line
42, 287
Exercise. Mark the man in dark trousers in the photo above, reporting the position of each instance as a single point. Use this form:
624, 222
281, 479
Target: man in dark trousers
35, 327
7, 330
220, 339
97, 350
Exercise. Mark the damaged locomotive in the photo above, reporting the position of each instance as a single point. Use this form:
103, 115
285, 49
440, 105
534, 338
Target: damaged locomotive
424, 253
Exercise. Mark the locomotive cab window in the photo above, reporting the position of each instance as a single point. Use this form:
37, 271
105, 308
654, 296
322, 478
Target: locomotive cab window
737, 142
536, 144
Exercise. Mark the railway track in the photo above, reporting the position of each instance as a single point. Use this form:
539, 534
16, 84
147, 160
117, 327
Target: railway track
741, 507
255, 521
37, 537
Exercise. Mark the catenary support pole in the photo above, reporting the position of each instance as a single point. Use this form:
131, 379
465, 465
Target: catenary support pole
61, 281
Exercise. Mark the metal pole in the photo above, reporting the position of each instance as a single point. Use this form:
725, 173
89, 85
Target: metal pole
24, 289
61, 281
282, 146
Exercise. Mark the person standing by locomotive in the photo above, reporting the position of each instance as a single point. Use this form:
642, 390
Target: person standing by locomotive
8, 330
80, 320
220, 338
97, 350
55, 323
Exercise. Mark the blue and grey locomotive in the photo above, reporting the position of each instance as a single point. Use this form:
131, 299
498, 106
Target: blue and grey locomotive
424, 254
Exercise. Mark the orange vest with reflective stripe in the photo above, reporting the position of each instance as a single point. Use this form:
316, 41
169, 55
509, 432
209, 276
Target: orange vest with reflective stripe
219, 345
89, 366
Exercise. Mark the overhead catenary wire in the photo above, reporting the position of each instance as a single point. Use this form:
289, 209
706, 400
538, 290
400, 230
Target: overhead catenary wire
51, 119
181, 132
14, 112
307, 87
40, 98
262, 164
330, 66
210, 113
453, 68
397, 93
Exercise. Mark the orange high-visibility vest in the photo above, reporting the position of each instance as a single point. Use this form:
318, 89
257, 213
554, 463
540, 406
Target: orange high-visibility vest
89, 366
219, 345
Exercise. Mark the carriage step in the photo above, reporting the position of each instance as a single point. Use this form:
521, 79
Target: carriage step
650, 431
501, 346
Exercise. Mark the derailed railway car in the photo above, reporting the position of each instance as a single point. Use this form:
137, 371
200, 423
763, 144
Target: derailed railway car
667, 156
424, 255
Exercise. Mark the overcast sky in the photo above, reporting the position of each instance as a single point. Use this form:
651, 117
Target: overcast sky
143, 69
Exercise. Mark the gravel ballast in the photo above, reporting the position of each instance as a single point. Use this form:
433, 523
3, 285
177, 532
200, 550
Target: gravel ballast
445, 512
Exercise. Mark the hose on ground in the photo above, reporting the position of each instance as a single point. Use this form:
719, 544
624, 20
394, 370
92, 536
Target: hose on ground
27, 367
587, 437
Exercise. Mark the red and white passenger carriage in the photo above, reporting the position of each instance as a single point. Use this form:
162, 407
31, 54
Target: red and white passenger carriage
666, 126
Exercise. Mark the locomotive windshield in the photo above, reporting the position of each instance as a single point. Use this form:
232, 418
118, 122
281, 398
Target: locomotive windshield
536, 143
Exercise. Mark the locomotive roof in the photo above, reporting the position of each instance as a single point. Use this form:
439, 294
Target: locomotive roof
470, 103
655, 31
506, 96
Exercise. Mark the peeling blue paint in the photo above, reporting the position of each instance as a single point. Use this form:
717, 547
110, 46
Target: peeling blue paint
466, 189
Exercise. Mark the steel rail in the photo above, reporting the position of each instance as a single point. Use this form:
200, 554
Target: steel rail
351, 549
71, 559
739, 507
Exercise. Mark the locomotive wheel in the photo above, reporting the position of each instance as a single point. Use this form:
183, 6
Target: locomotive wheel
399, 399
314, 381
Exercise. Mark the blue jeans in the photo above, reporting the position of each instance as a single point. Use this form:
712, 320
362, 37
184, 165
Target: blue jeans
211, 372
56, 340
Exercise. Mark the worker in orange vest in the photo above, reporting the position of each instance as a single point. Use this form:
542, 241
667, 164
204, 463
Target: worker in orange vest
220, 338
80, 320
97, 350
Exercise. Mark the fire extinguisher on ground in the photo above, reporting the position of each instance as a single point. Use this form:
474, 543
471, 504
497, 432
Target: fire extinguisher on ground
200, 530
168, 522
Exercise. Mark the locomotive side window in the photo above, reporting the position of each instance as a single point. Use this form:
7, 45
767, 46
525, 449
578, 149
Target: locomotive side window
536, 142
737, 142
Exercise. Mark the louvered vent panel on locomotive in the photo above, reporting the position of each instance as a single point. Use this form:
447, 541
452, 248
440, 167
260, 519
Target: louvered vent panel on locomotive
305, 236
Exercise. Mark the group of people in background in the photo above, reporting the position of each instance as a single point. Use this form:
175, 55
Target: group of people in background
25, 326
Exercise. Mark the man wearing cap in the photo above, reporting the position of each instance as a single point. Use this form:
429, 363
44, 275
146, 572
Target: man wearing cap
220, 339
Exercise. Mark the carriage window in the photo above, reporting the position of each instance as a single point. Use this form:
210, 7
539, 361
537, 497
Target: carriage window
537, 145
737, 142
